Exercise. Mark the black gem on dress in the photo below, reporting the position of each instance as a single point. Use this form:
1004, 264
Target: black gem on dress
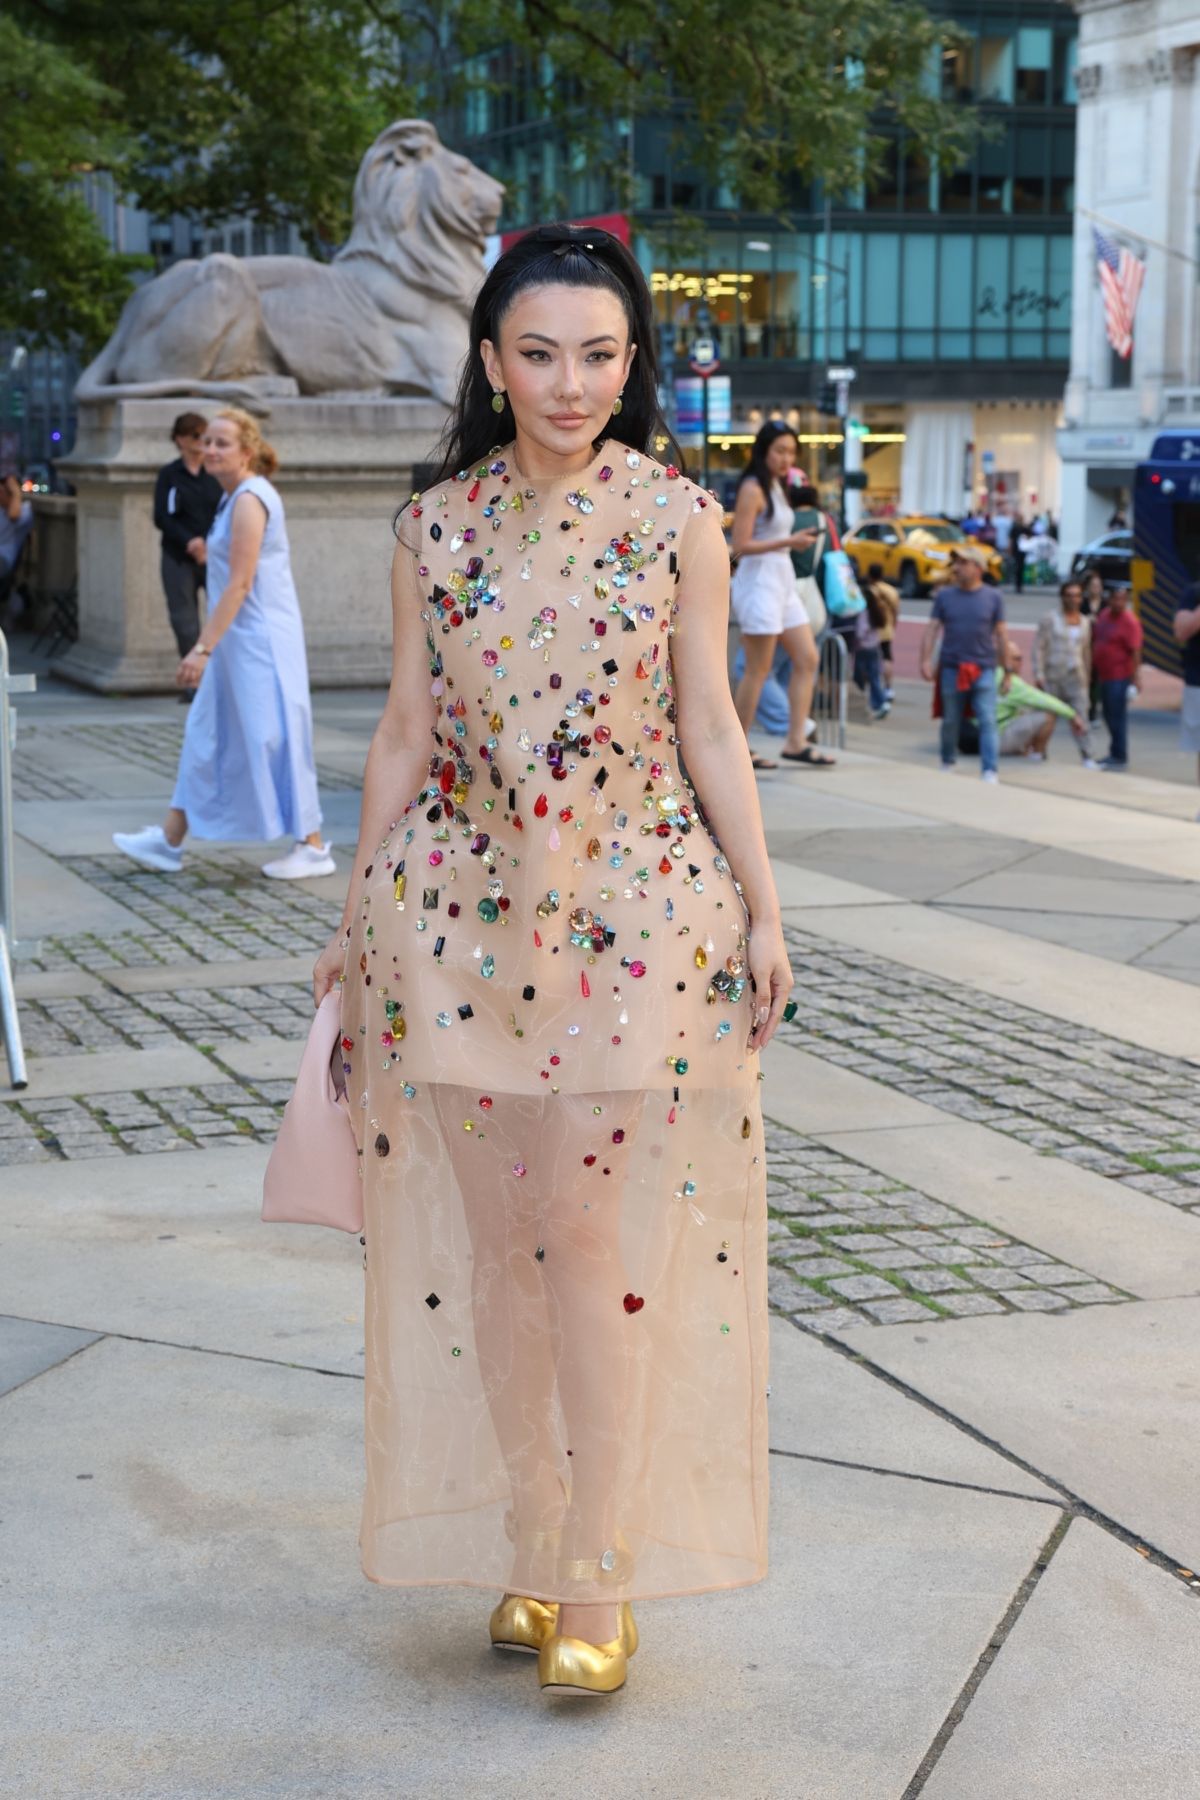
432, 1301
382, 1147
466, 1012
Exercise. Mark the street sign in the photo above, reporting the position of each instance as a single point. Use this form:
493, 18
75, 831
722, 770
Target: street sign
843, 398
841, 374
720, 404
704, 354
988, 459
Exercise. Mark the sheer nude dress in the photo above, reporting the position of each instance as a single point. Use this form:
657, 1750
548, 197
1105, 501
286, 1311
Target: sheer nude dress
545, 1016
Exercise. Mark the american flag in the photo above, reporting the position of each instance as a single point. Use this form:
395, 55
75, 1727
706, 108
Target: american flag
1121, 277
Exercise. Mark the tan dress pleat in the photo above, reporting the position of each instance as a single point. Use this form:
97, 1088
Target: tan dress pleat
545, 1017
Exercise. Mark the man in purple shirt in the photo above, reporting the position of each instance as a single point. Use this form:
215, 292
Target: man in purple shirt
968, 617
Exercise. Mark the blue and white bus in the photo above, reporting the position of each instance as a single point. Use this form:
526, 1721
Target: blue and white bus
1166, 539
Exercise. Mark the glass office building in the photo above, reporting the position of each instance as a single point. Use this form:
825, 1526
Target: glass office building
948, 291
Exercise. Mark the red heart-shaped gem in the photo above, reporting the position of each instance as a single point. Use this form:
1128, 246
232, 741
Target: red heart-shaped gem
634, 1303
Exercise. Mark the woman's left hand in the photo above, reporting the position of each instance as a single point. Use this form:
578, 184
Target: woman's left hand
772, 979
190, 670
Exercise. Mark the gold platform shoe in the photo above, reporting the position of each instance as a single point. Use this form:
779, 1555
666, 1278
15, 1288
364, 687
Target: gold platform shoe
519, 1623
570, 1665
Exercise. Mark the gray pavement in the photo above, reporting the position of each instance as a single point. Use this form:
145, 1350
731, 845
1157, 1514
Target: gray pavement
984, 1141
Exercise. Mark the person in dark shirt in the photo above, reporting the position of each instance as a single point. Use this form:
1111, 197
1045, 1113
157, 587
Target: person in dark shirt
968, 617
1117, 666
186, 498
1187, 634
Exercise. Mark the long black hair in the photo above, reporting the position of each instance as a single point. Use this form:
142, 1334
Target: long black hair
756, 469
568, 256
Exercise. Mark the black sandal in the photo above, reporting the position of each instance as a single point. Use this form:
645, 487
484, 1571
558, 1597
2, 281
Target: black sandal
763, 762
809, 756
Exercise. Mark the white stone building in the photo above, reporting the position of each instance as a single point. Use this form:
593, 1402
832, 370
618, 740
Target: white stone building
1138, 179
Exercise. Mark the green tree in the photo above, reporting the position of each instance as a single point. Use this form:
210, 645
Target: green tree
59, 280
262, 108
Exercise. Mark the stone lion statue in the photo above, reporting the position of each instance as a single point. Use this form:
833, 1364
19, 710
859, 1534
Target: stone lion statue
387, 316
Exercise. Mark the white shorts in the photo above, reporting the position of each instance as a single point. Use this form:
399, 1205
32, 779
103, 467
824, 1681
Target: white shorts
763, 596
1189, 720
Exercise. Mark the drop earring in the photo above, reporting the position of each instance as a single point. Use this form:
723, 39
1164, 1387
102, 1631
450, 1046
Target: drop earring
618, 403
498, 400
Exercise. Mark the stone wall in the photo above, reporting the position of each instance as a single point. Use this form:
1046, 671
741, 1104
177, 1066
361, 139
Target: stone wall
345, 465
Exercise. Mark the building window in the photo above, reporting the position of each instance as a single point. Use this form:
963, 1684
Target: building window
957, 192
883, 193
281, 241
1034, 44
996, 61
995, 184
1120, 370
920, 183
1066, 62
1029, 186
237, 242
216, 243
958, 74
1062, 170
258, 240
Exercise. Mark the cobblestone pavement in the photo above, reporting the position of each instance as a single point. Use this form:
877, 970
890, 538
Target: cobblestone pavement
151, 744
217, 909
848, 1246
1122, 1111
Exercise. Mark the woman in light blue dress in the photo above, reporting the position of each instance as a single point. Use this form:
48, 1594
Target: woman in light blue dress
247, 769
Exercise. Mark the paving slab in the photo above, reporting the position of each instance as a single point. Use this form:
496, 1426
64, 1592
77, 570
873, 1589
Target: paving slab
799, 886
1143, 1007
56, 984
172, 1246
266, 971
53, 897
808, 1094
1093, 1692
1064, 1391
822, 1404
221, 1641
1030, 890
1177, 955
112, 1071
28, 1348
1086, 822
1115, 939
912, 862
261, 1059
1113, 1231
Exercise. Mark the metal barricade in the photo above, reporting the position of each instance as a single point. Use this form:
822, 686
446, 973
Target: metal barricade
831, 691
9, 1023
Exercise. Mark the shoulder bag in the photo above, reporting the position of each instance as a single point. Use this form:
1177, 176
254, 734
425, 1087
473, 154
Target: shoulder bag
313, 1176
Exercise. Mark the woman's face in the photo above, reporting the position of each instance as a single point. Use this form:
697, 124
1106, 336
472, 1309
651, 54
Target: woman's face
562, 357
1072, 598
781, 454
224, 456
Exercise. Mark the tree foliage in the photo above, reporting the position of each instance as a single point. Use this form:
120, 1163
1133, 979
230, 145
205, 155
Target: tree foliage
262, 108
59, 279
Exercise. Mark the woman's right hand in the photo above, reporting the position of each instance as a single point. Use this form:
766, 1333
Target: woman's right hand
803, 540
327, 970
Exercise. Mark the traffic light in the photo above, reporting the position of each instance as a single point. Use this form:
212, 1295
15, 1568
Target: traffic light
827, 399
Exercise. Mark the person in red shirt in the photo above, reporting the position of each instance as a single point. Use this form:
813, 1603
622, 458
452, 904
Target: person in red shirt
1117, 666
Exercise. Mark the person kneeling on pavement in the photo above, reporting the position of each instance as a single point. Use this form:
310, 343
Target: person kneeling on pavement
1026, 716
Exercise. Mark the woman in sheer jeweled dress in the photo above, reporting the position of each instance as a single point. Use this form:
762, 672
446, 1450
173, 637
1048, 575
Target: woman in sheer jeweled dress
561, 957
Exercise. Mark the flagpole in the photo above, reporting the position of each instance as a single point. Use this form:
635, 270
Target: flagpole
1127, 231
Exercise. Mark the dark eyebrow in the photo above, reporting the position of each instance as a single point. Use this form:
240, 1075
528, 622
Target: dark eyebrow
605, 338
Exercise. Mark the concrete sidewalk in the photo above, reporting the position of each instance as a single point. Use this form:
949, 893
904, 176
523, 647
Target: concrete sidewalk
985, 1244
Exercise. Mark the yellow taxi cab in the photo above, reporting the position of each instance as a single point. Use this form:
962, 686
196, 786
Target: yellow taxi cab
913, 551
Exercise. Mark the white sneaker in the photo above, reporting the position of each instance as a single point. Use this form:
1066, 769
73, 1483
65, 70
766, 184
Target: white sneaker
1034, 756
1089, 762
302, 862
150, 848
989, 775
946, 768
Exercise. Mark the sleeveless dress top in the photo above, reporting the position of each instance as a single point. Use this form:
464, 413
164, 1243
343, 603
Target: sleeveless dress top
545, 1017
246, 771
769, 579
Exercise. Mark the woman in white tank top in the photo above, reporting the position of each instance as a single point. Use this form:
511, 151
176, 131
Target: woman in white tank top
763, 597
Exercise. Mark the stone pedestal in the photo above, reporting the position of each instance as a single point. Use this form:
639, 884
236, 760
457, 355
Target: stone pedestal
345, 466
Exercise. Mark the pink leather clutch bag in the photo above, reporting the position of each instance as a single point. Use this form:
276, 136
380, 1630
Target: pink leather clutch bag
313, 1175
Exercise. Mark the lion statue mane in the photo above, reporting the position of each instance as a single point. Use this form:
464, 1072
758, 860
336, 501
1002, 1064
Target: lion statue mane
387, 316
